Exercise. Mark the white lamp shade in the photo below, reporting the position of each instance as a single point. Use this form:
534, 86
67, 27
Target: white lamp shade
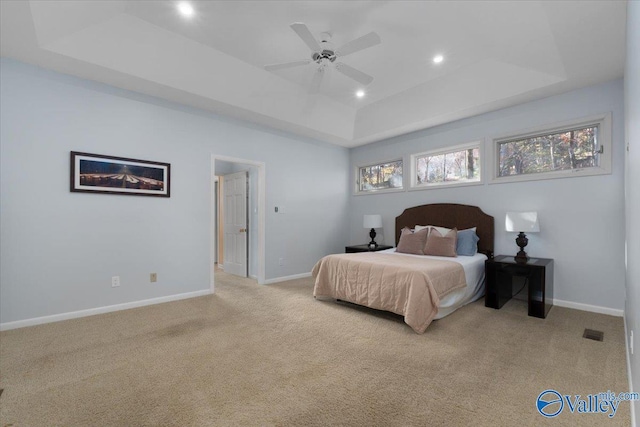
372, 221
527, 222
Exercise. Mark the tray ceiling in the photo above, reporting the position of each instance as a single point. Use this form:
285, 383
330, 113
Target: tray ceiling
496, 54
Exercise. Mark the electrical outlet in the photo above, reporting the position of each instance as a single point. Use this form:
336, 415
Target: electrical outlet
115, 281
153, 277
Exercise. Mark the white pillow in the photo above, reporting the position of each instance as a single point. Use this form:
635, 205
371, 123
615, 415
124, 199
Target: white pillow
441, 230
420, 227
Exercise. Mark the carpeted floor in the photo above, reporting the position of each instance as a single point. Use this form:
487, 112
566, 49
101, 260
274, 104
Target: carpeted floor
273, 355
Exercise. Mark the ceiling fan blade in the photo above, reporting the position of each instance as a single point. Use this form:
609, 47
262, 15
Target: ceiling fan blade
356, 75
358, 44
273, 67
305, 34
317, 79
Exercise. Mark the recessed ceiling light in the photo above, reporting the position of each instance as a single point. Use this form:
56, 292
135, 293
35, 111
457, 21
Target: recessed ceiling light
185, 9
360, 93
438, 59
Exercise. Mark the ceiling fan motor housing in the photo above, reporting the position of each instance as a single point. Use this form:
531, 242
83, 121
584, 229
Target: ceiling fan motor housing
325, 54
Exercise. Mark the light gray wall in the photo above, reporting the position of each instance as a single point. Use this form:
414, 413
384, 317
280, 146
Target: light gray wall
580, 218
59, 249
632, 193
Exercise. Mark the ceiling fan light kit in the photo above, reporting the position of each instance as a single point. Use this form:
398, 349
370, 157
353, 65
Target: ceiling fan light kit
323, 54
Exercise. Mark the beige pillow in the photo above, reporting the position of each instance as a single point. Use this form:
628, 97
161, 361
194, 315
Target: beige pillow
440, 245
412, 243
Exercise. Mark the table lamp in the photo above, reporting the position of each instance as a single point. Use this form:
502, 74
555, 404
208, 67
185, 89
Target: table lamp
522, 222
372, 222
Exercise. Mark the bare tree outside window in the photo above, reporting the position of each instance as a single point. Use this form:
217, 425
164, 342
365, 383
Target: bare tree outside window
565, 150
380, 177
461, 166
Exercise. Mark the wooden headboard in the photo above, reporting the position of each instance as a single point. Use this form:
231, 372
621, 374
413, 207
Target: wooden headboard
450, 215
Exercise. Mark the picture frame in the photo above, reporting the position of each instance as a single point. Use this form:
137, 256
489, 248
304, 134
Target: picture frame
97, 173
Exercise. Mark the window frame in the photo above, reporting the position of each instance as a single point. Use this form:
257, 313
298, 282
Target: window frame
479, 144
358, 192
603, 121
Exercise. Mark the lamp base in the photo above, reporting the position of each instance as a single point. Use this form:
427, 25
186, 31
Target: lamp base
521, 241
372, 243
521, 257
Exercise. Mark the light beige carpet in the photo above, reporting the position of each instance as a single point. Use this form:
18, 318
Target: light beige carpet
273, 355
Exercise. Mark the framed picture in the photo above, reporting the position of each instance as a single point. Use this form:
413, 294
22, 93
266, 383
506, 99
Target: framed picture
95, 173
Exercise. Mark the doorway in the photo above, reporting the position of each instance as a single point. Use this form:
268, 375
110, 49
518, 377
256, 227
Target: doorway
255, 213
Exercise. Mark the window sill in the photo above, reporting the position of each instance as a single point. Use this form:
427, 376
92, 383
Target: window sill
385, 191
593, 171
448, 185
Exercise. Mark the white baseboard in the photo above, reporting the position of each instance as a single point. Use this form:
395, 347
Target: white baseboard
285, 278
98, 310
587, 307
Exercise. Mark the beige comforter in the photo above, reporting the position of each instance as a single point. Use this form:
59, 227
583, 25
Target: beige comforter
405, 285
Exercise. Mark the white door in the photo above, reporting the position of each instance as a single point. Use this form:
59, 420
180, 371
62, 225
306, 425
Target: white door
234, 192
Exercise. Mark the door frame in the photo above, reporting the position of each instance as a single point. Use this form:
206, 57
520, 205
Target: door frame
261, 216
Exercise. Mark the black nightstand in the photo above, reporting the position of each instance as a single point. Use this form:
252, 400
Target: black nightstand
538, 274
365, 248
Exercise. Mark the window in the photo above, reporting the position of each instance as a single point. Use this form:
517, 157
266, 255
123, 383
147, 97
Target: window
458, 165
383, 176
573, 149
568, 149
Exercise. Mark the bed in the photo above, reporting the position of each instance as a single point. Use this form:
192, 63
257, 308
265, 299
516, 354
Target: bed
420, 288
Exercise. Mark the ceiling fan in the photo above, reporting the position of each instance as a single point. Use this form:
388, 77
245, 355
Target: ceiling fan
323, 54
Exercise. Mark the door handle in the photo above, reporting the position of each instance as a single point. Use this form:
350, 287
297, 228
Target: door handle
243, 230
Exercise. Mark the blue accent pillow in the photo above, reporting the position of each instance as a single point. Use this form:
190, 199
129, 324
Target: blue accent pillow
467, 242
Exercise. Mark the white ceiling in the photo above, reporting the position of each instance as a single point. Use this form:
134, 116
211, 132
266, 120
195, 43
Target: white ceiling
497, 54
